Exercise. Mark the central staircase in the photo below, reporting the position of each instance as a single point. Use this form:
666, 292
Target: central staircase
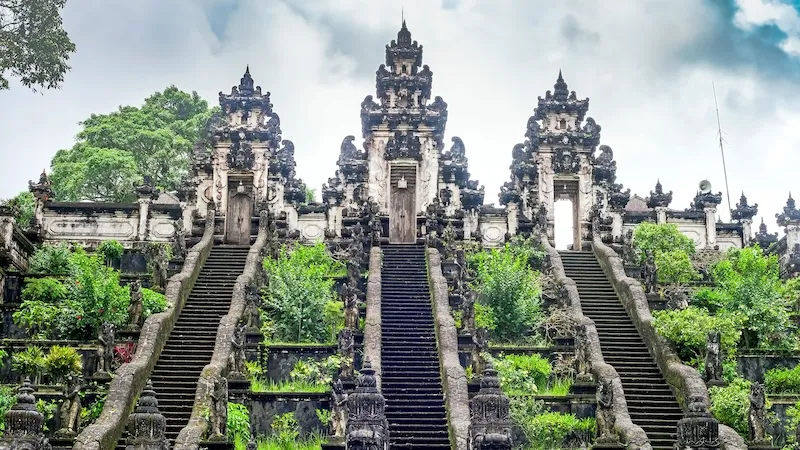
411, 380
191, 342
651, 403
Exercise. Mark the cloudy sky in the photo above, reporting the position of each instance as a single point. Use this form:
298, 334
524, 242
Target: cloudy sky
646, 65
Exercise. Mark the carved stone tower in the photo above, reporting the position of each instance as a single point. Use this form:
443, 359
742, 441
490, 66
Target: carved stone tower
403, 137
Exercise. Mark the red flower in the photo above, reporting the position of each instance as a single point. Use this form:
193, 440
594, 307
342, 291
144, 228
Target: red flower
79, 317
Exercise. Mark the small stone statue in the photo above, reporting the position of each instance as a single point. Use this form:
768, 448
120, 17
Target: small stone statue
649, 274
251, 308
677, 297
180, 239
219, 410
468, 311
105, 350
480, 342
346, 346
136, 307
757, 416
582, 361
238, 356
338, 409
713, 370
70, 410
350, 295
605, 414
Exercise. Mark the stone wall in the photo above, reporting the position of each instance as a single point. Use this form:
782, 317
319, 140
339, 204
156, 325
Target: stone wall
191, 435
630, 434
372, 325
454, 377
131, 378
685, 381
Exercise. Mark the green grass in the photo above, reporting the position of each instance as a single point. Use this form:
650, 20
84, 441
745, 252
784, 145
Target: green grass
559, 387
272, 443
261, 385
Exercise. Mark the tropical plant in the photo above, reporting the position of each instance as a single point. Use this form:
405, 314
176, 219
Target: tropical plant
688, 328
111, 250
7, 399
521, 374
62, 361
285, 429
29, 363
783, 381
730, 404
153, 302
660, 238
51, 259
238, 422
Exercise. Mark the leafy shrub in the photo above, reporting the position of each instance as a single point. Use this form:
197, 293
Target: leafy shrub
41, 298
522, 374
748, 283
730, 404
333, 318
92, 411
7, 399
316, 372
29, 363
783, 381
298, 293
51, 259
285, 429
153, 302
238, 422
550, 430
530, 249
793, 416
110, 250
675, 266
23, 206
660, 238
688, 329
509, 289
62, 361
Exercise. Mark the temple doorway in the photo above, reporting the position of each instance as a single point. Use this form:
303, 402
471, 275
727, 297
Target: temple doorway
402, 211
239, 215
566, 229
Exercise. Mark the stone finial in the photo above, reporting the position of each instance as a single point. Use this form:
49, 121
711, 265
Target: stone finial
705, 200
790, 214
698, 429
24, 423
490, 427
763, 238
146, 425
560, 89
147, 189
367, 427
743, 210
658, 198
43, 190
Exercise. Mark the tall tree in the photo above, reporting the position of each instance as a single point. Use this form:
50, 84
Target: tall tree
22, 206
33, 44
114, 151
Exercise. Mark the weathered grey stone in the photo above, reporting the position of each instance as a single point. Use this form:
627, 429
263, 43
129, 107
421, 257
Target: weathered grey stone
629, 433
686, 381
131, 378
372, 326
190, 436
453, 376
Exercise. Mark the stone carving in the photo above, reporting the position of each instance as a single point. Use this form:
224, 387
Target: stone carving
136, 307
480, 342
252, 312
618, 199
219, 410
70, 409
403, 145
583, 365
713, 369
605, 168
238, 356
744, 211
105, 350
763, 238
757, 416
659, 198
24, 423
706, 200
472, 196
147, 189
43, 190
367, 428
566, 161
146, 425
649, 274
468, 311
338, 408
158, 262
350, 296
698, 430
346, 351
677, 297
793, 263
790, 214
180, 240
605, 414
490, 426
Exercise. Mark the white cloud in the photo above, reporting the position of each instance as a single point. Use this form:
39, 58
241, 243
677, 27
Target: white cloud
490, 61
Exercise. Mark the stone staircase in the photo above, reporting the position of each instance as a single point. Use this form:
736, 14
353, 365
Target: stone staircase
411, 380
651, 403
191, 342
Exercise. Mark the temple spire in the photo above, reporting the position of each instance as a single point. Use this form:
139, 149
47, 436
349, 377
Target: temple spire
404, 36
560, 91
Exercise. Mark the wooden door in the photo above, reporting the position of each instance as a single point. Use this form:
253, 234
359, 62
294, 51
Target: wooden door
402, 215
237, 222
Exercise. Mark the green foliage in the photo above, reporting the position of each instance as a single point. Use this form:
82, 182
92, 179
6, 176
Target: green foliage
317, 372
530, 249
333, 318
793, 418
35, 46
48, 410
116, 150
91, 412
40, 308
748, 283
675, 266
285, 429
484, 317
509, 288
550, 430
62, 361
22, 206
111, 250
312, 442
324, 416
7, 399
730, 404
298, 295
311, 195
51, 260
688, 329
238, 422
153, 302
29, 362
783, 381
521, 374
660, 238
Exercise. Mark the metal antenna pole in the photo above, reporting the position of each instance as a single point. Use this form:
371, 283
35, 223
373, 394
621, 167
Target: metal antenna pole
722, 150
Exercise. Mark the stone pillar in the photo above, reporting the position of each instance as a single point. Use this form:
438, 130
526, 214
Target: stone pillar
367, 428
144, 212
711, 225
490, 427
698, 430
146, 425
512, 215
661, 214
24, 423
747, 232
792, 235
